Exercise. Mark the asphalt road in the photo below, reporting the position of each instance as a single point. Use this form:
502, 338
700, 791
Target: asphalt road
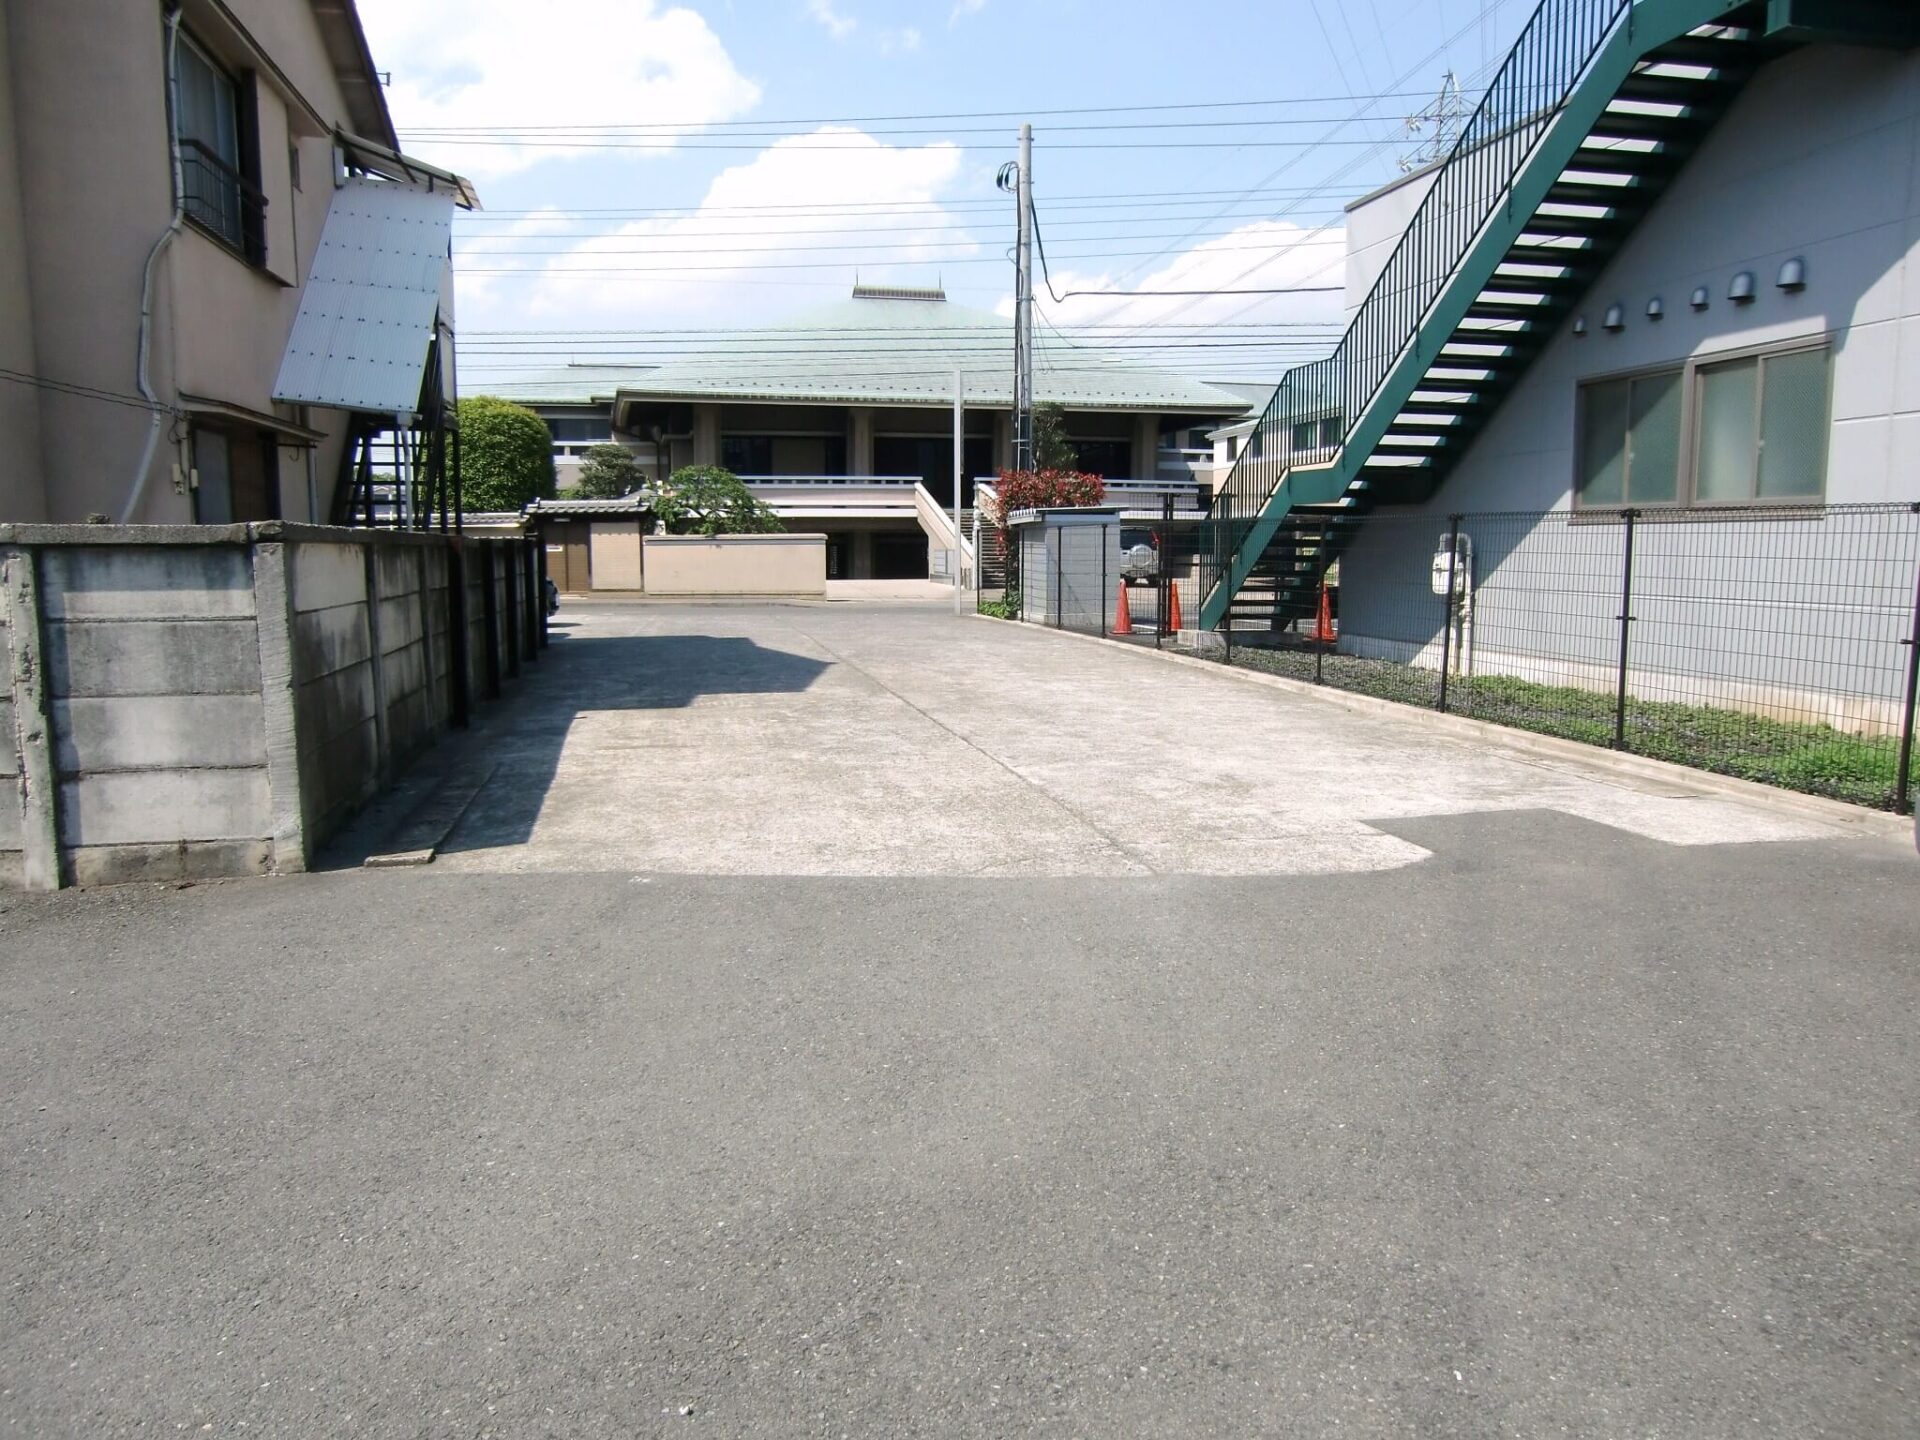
1559, 1130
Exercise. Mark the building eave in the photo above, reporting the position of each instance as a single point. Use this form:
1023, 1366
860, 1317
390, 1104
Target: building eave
354, 70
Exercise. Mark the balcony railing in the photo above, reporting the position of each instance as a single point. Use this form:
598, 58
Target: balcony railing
220, 199
756, 480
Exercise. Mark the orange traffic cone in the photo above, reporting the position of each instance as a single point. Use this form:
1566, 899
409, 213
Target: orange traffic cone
1323, 627
1173, 611
1122, 613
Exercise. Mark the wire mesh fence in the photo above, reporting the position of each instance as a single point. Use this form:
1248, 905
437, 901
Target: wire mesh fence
1776, 645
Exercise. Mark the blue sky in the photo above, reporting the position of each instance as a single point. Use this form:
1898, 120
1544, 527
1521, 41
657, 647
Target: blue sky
709, 128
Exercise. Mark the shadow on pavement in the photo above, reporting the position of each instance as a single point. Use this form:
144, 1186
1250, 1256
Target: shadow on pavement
522, 736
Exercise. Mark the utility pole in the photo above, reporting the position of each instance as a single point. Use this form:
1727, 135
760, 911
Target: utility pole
1023, 311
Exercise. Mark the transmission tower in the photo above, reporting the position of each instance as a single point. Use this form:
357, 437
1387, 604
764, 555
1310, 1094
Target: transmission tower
1438, 125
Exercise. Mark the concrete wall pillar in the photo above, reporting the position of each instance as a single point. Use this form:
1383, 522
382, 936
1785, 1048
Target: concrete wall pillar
35, 781
860, 440
1003, 439
706, 434
273, 620
1146, 447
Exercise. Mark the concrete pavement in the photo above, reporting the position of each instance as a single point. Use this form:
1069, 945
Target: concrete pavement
1525, 1122
899, 740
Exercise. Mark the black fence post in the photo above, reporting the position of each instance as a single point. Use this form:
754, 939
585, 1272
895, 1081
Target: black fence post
1103, 575
1626, 621
1059, 576
1319, 636
1903, 775
1446, 607
1163, 562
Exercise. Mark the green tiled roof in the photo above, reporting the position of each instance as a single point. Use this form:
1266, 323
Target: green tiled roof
578, 384
890, 351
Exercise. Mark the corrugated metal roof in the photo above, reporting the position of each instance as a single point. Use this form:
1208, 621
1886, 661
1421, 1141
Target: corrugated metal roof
367, 311
888, 351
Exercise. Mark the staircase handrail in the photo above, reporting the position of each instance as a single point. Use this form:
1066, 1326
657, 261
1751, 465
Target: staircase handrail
1532, 86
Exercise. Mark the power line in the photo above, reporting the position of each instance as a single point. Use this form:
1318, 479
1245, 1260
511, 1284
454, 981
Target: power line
682, 146
911, 253
87, 392
972, 114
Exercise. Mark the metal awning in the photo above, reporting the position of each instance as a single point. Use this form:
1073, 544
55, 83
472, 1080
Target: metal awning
380, 285
289, 432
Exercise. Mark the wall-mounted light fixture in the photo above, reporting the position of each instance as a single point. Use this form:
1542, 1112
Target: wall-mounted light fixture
1700, 299
1615, 318
1741, 290
1579, 324
1793, 274
1656, 308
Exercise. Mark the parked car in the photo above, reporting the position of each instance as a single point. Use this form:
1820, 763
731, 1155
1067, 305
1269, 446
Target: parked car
1139, 555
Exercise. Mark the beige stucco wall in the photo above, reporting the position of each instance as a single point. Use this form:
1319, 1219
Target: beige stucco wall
736, 565
613, 556
86, 120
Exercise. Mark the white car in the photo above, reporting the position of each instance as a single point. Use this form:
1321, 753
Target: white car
1139, 556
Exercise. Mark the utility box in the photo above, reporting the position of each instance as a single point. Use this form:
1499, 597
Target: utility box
1069, 565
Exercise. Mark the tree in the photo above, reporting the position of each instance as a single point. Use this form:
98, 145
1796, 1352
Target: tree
1052, 450
609, 472
707, 500
506, 454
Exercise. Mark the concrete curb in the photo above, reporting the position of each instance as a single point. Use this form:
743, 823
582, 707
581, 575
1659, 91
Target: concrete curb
1877, 823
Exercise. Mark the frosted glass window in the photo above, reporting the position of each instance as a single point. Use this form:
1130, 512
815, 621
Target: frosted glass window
1729, 431
1793, 425
1763, 426
1653, 440
1603, 443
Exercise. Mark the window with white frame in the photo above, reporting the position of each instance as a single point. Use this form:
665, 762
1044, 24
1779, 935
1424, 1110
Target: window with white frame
1751, 429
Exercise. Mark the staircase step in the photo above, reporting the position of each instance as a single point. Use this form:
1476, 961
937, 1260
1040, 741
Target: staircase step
1665, 89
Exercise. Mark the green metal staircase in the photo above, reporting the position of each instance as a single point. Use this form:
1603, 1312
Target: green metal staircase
1596, 109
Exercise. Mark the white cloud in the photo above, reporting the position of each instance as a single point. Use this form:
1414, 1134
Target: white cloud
963, 8
831, 20
903, 41
502, 63
706, 262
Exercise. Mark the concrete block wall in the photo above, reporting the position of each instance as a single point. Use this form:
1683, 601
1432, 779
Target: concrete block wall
335, 713
11, 801
152, 684
197, 701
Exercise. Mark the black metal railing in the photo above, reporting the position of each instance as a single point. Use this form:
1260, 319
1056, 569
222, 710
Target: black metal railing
1780, 645
220, 199
1329, 396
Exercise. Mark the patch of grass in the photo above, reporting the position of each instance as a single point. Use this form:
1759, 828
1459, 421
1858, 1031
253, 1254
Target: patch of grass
1007, 607
1810, 757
